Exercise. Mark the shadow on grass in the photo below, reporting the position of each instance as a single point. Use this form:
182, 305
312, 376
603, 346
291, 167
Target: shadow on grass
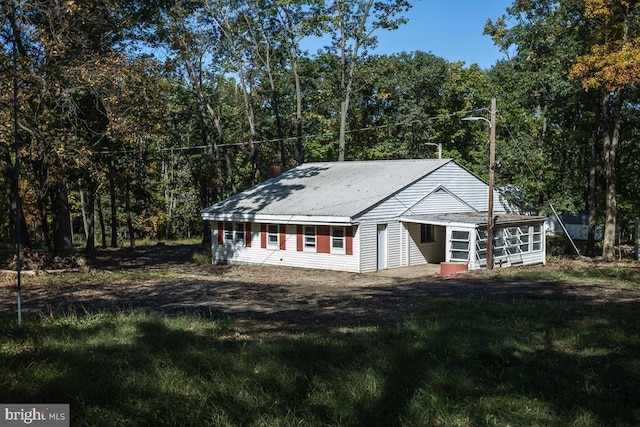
150, 257
456, 362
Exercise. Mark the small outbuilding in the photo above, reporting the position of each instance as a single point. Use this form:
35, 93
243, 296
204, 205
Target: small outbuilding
365, 216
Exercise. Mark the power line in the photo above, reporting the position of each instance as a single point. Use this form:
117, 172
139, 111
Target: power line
307, 136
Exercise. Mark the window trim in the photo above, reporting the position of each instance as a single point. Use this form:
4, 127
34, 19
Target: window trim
270, 234
234, 233
307, 247
459, 250
334, 239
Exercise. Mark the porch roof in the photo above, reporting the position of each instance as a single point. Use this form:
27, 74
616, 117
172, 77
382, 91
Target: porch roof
470, 219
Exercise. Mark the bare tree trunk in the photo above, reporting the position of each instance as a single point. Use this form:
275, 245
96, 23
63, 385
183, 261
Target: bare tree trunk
348, 59
225, 153
62, 233
250, 116
206, 115
84, 214
114, 207
89, 220
591, 200
103, 230
13, 200
127, 202
612, 117
281, 134
344, 109
296, 79
44, 222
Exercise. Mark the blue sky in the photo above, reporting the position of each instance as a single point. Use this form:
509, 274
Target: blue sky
451, 29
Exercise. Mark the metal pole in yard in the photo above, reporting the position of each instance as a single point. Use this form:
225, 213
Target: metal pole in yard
17, 162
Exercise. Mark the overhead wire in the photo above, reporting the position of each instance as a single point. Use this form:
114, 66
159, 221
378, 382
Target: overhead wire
306, 136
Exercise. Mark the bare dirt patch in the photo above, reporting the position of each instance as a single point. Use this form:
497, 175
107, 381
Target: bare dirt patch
270, 299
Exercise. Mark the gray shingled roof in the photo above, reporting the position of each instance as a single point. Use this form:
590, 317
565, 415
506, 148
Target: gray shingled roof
343, 189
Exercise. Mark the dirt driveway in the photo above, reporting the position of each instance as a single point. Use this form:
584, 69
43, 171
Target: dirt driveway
269, 299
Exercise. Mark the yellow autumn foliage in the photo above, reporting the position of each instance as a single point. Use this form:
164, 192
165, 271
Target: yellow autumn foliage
614, 58
614, 68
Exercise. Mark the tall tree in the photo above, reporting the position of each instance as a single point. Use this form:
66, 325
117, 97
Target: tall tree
353, 24
14, 66
297, 20
547, 116
611, 66
229, 19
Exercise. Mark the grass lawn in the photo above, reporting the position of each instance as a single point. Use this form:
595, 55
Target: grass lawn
455, 363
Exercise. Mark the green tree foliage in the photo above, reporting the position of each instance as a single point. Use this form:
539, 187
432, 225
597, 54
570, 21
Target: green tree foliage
352, 25
611, 66
146, 112
542, 112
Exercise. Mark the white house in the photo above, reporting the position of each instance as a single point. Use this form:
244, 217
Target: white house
370, 215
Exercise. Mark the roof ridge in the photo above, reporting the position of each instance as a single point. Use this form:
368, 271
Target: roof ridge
377, 161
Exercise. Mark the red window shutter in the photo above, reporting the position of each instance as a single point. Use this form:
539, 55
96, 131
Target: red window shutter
348, 246
299, 238
263, 236
283, 237
323, 240
220, 233
247, 234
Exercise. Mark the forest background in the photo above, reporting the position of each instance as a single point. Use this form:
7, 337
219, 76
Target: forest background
115, 143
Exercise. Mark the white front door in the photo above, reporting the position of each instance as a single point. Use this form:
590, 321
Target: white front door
382, 246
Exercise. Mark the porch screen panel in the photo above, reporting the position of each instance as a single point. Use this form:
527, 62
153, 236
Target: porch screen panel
537, 237
481, 247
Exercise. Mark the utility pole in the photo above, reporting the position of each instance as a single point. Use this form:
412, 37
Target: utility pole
492, 169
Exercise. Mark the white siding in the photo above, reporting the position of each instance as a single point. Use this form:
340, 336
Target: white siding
424, 253
457, 180
368, 239
416, 257
394, 234
290, 257
438, 202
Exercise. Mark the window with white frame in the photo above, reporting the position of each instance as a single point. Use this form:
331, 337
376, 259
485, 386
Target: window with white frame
239, 232
273, 236
522, 239
228, 232
234, 232
481, 245
337, 240
459, 245
309, 238
536, 238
